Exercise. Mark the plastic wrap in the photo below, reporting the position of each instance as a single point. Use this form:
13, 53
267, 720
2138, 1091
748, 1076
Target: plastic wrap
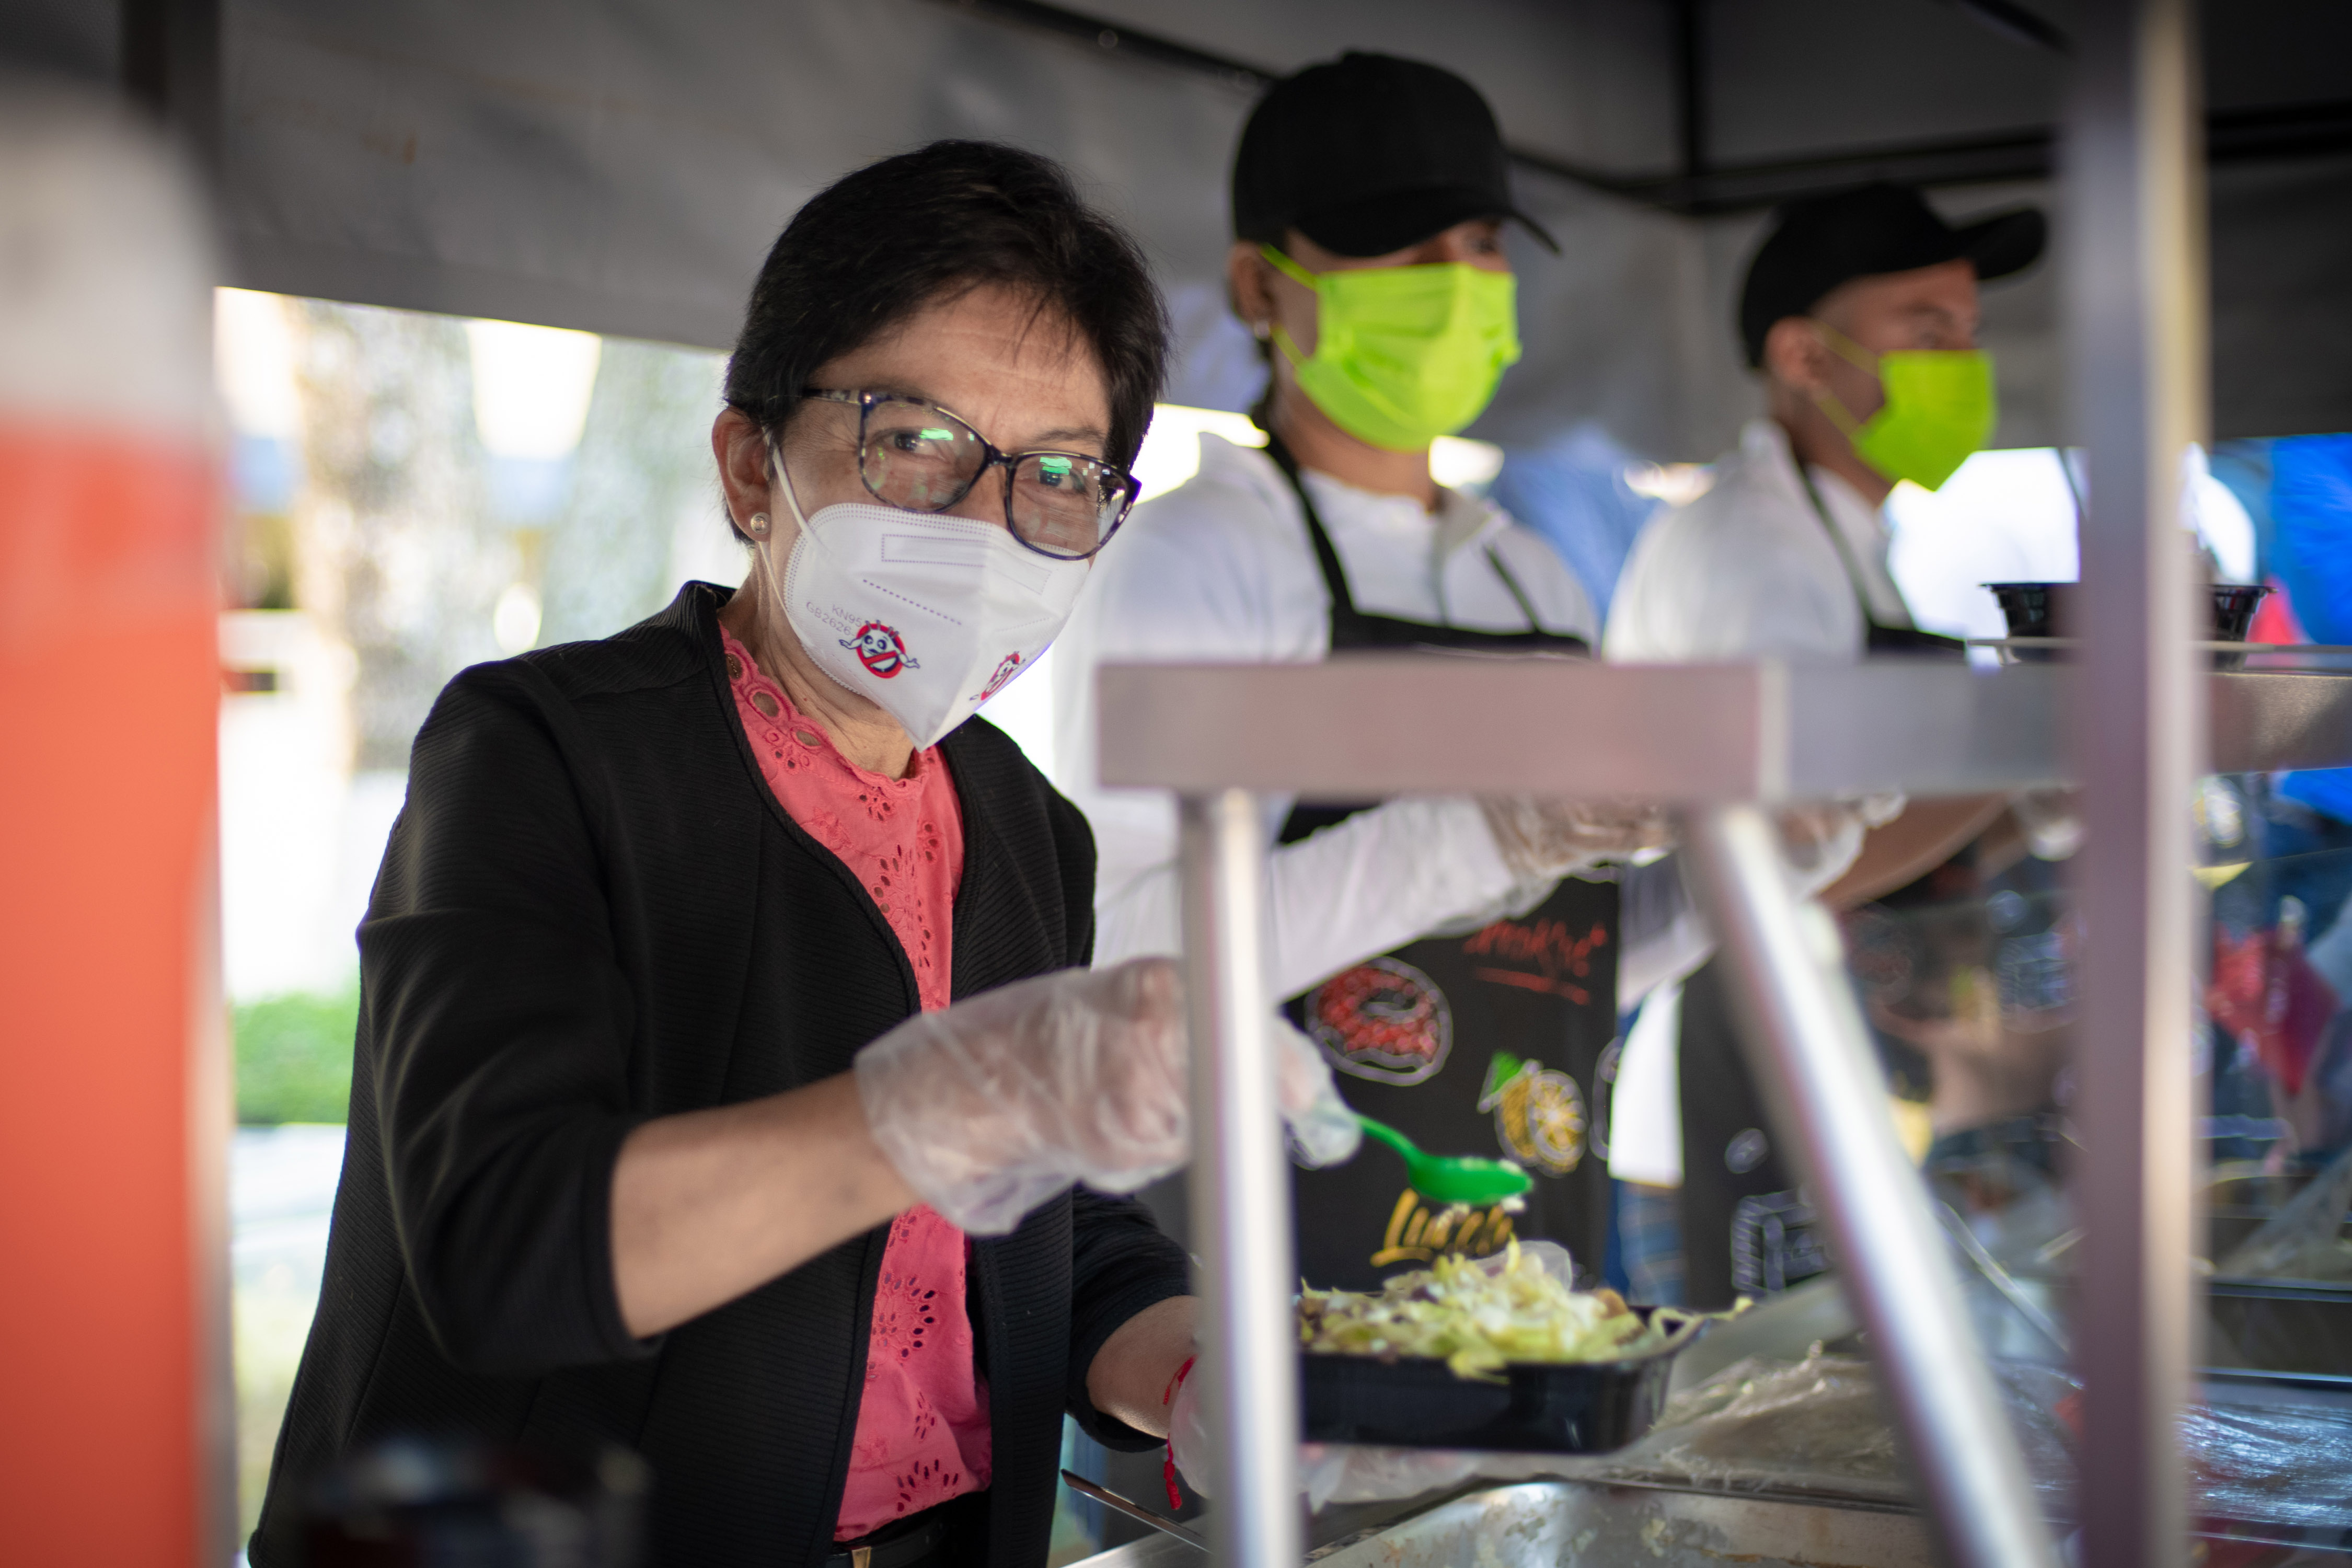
1814, 1429
1757, 1423
991, 1107
2284, 1466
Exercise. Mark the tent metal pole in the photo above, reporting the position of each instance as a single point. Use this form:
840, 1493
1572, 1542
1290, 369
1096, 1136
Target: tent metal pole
1240, 1187
2135, 308
1811, 1052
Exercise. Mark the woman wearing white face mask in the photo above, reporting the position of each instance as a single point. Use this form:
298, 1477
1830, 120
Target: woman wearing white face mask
726, 1055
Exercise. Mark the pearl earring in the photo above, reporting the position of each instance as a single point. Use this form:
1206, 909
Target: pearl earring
758, 525
1262, 331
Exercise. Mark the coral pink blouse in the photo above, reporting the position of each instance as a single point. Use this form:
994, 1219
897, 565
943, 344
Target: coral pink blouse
923, 1419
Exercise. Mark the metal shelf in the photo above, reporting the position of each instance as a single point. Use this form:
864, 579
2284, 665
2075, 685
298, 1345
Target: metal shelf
1364, 726
1714, 741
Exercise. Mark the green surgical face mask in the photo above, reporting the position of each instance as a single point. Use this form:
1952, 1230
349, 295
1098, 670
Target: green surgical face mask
1939, 409
1404, 355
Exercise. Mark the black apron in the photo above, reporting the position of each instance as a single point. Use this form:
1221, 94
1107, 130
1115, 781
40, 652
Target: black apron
1483, 1043
1877, 639
1749, 1229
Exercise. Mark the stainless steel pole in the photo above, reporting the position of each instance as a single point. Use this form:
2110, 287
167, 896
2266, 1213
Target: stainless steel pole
1807, 1042
2135, 307
1240, 1188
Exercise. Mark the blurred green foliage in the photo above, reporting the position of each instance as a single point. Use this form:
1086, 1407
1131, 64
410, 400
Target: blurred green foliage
294, 1057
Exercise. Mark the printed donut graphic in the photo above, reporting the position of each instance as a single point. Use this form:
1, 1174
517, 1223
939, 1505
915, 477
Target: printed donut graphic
1385, 1021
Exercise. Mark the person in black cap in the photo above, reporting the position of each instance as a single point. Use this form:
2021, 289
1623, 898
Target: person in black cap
1369, 198
1860, 310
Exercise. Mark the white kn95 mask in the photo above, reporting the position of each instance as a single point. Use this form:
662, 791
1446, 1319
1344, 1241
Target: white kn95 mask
927, 614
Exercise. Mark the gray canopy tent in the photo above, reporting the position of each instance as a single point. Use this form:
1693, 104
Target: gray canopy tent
622, 166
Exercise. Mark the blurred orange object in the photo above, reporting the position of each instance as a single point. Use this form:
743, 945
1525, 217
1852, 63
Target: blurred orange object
113, 1116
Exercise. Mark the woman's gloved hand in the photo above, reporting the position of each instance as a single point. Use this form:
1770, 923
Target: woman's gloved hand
1551, 838
991, 1107
2052, 820
1328, 1472
1820, 842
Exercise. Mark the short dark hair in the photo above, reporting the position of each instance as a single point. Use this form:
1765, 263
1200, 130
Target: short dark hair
877, 245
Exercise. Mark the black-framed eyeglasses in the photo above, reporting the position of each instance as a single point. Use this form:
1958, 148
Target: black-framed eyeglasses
918, 457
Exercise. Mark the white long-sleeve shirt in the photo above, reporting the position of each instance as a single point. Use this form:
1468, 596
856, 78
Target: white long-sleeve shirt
1222, 570
1749, 570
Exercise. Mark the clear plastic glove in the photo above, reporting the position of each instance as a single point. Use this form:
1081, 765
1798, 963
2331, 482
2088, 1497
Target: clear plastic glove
2052, 820
1820, 842
1328, 1472
991, 1107
1323, 1131
1555, 838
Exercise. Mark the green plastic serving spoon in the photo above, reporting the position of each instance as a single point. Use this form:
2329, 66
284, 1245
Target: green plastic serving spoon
1451, 1179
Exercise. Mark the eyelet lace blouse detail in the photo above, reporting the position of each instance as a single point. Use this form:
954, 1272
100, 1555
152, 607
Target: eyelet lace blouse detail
903, 837
922, 1416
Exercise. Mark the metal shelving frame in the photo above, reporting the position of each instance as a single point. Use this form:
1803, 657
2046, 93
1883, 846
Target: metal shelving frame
1722, 744
2131, 725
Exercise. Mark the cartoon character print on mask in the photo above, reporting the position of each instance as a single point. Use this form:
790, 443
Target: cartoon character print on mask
1005, 671
865, 585
880, 650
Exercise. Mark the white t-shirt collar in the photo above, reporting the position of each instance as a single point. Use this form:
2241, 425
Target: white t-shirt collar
1861, 526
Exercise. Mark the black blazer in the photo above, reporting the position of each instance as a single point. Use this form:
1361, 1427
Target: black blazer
592, 912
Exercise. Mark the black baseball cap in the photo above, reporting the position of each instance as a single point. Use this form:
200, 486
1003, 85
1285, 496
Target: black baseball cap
1369, 153
1820, 242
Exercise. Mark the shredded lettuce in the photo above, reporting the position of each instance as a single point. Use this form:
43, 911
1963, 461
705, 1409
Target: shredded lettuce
1479, 1315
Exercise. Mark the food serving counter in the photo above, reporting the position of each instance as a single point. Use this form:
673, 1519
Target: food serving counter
1720, 743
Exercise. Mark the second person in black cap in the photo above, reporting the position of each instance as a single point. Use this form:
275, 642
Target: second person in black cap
1431, 947
1860, 309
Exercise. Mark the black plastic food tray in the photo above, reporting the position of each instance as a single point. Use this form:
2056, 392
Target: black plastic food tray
1583, 1407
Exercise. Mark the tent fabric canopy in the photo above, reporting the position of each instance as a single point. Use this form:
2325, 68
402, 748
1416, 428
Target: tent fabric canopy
622, 166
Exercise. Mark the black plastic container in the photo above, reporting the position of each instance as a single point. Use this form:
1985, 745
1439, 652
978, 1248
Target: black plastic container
2035, 610
2047, 610
1583, 1407
2234, 605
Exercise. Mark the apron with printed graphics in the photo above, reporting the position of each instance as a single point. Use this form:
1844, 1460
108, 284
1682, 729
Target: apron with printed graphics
1488, 1042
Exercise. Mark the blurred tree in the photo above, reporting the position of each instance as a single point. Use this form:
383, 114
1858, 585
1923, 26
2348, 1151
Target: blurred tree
397, 554
643, 469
